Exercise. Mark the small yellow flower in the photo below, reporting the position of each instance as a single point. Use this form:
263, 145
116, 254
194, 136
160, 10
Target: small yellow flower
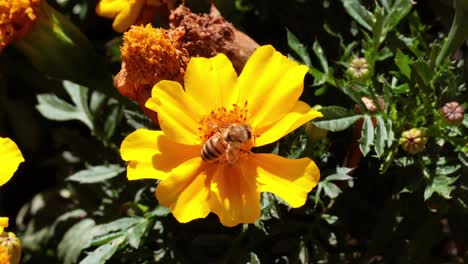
127, 12
257, 108
16, 17
3, 223
4, 256
10, 158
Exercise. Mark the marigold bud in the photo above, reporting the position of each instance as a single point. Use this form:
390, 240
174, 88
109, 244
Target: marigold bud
16, 17
414, 140
453, 113
13, 245
358, 69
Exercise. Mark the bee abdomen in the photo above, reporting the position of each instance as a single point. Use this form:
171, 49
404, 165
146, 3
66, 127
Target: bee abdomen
213, 148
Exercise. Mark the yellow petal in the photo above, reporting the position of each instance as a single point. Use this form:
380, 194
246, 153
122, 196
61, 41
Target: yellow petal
290, 179
3, 223
127, 16
300, 114
186, 191
211, 82
234, 195
152, 155
10, 158
110, 8
178, 113
272, 84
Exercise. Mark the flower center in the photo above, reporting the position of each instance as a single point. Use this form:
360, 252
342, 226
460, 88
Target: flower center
226, 134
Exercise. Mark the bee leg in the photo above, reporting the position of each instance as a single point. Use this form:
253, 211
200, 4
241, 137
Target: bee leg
232, 154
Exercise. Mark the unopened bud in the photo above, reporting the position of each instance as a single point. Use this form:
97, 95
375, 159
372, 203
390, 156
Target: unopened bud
414, 140
453, 113
358, 68
9, 241
370, 104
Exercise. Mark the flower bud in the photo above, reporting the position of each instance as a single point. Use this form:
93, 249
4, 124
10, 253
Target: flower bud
453, 113
358, 69
370, 104
414, 140
9, 241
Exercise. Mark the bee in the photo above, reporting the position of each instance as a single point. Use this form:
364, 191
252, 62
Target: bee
226, 141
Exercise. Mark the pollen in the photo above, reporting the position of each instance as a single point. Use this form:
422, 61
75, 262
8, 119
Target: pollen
16, 17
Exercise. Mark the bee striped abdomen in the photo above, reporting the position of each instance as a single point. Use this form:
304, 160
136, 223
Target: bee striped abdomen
213, 148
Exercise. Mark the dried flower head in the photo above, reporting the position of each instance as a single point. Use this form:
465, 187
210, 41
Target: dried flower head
358, 68
16, 17
414, 140
453, 113
10, 245
370, 104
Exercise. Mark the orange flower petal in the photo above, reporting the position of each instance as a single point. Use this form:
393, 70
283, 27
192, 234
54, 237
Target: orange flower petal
300, 114
10, 158
272, 84
178, 113
186, 191
234, 195
153, 155
290, 179
211, 82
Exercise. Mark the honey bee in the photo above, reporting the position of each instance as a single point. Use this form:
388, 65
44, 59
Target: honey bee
226, 141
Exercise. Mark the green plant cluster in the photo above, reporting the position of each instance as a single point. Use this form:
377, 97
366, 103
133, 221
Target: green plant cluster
375, 203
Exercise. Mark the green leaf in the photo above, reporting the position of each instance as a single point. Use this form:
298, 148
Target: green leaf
137, 120
77, 238
97, 173
54, 108
159, 211
403, 62
135, 233
423, 71
340, 175
330, 189
390, 133
441, 185
298, 48
321, 56
367, 138
339, 124
117, 225
334, 112
104, 252
254, 259
380, 137
359, 13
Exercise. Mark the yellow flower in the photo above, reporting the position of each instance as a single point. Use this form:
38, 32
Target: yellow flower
16, 17
128, 12
10, 158
261, 105
4, 256
3, 224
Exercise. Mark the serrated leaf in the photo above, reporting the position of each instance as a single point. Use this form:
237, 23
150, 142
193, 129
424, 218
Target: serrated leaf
97, 173
367, 136
340, 175
117, 225
441, 185
160, 211
77, 238
104, 252
135, 233
298, 48
334, 112
359, 13
380, 137
403, 62
339, 124
137, 120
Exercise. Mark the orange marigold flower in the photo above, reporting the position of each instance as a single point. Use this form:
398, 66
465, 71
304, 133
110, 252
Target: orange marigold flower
149, 55
10, 158
131, 12
10, 245
203, 154
4, 256
16, 17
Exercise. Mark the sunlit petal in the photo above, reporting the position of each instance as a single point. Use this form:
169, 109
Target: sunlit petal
110, 8
211, 82
186, 192
128, 15
272, 84
10, 158
289, 179
300, 114
234, 195
178, 113
152, 155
